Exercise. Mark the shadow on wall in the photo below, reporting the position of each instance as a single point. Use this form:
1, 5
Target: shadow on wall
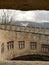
32, 58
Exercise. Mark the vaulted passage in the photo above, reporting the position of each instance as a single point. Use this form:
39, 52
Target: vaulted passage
25, 4
32, 58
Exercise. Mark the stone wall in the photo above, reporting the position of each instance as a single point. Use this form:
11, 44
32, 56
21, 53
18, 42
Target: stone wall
18, 33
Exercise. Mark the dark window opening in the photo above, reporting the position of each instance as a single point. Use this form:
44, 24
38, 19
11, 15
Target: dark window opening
21, 44
45, 48
10, 45
32, 45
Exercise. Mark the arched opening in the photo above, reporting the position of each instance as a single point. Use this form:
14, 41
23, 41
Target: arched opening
32, 57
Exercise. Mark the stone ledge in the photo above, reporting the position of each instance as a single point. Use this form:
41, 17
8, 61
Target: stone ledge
24, 63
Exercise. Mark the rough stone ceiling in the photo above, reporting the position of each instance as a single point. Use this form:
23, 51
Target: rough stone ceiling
25, 4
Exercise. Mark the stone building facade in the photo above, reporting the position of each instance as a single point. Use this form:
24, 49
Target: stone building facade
20, 40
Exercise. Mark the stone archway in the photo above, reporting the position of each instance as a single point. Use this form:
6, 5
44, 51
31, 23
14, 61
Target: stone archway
25, 4
32, 57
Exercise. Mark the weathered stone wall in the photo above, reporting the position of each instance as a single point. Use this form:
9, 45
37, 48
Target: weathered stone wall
17, 33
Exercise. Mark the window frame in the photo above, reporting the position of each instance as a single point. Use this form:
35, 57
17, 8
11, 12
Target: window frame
33, 45
10, 45
45, 48
21, 44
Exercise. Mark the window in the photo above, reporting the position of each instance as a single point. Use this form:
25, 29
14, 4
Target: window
21, 44
2, 47
10, 45
45, 48
32, 45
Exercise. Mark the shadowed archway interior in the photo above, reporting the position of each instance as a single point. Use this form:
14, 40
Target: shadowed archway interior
32, 57
25, 4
